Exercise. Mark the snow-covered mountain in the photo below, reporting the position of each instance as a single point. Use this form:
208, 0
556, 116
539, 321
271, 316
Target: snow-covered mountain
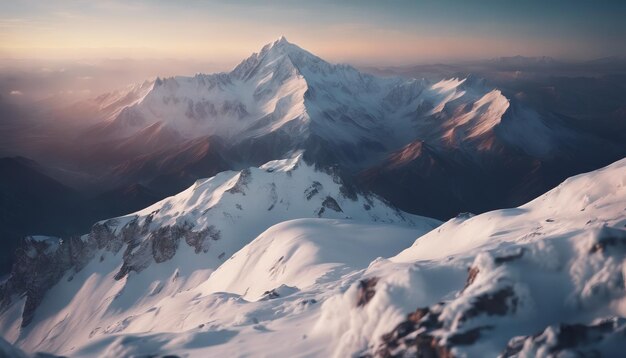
221, 269
177, 244
383, 132
545, 279
285, 89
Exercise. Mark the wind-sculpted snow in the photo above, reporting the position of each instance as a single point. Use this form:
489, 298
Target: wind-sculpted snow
543, 279
125, 263
475, 283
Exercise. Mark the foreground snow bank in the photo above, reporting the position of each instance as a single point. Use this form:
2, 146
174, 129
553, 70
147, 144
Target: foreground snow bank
544, 279
473, 284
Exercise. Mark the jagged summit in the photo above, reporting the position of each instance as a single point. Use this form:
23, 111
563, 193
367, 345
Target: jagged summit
280, 42
277, 54
283, 99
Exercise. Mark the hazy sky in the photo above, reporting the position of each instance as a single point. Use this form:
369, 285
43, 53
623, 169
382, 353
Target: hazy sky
359, 31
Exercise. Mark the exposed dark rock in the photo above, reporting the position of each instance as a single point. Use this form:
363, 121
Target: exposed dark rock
472, 273
423, 334
332, 204
147, 221
416, 336
242, 182
165, 243
498, 303
199, 240
349, 191
311, 301
427, 347
137, 257
313, 190
41, 263
402, 341
270, 295
366, 291
102, 234
274, 269
468, 337
273, 197
282, 290
574, 339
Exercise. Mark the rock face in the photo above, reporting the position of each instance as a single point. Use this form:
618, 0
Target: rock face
367, 290
43, 261
40, 263
425, 333
605, 338
215, 217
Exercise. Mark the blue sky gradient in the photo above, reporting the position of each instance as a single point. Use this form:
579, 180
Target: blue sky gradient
389, 31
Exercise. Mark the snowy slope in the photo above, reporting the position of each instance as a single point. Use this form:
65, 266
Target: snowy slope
513, 282
199, 319
302, 253
285, 89
129, 265
472, 285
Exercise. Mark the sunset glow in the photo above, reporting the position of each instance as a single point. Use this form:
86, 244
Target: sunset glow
355, 31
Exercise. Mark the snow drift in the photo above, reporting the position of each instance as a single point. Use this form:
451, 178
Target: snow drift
513, 282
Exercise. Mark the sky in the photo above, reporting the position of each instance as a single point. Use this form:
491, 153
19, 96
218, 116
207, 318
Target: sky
356, 31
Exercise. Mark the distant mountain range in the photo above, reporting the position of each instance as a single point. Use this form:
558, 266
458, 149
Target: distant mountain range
433, 147
460, 138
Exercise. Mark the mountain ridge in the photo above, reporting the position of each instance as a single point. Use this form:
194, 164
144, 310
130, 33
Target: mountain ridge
156, 281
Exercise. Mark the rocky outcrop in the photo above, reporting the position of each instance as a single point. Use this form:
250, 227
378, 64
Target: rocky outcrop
405, 340
242, 182
39, 264
43, 261
313, 190
425, 334
606, 338
280, 291
434, 331
329, 203
161, 245
366, 291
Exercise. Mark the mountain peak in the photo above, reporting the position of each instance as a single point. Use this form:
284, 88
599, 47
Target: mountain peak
274, 53
282, 46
